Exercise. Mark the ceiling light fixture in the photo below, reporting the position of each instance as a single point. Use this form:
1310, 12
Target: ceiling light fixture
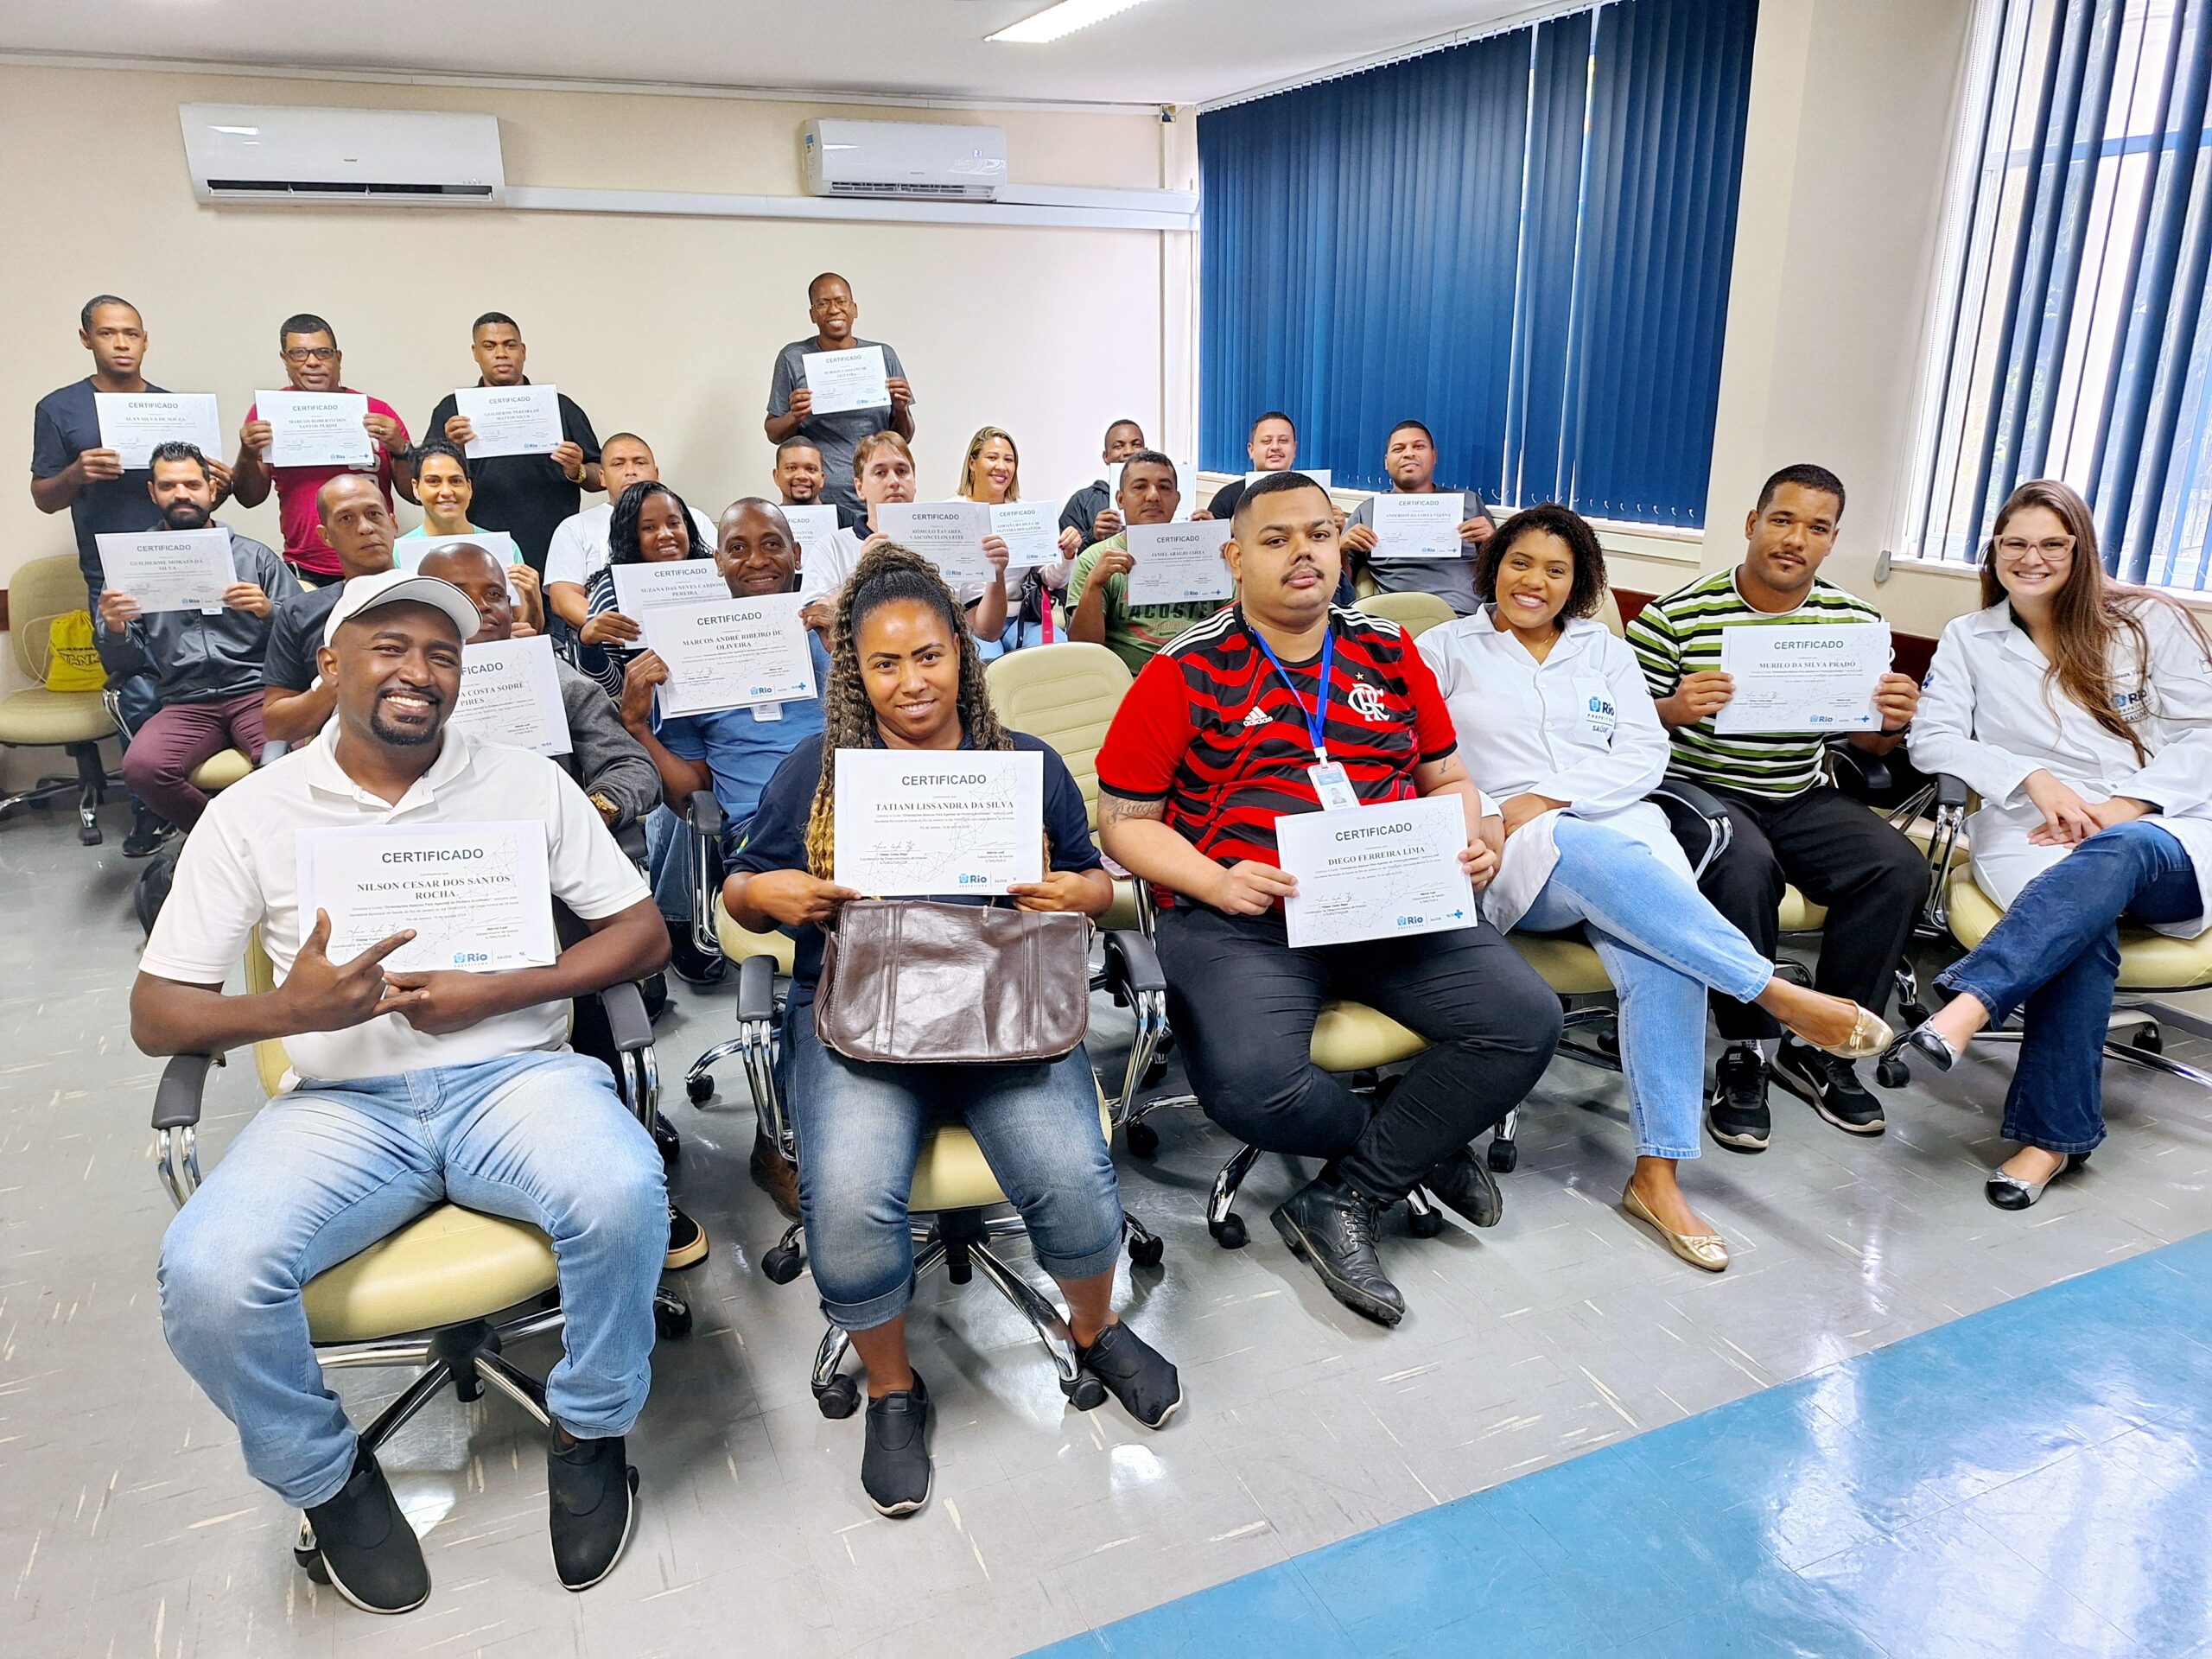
1040, 29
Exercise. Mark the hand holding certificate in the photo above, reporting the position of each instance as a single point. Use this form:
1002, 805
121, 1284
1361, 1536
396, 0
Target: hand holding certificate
1179, 565
316, 429
1803, 678
476, 895
734, 653
843, 381
949, 534
510, 420
169, 570
1418, 526
1375, 872
915, 822
132, 423
510, 694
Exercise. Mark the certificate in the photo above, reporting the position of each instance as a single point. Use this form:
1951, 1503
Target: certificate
735, 653
1375, 872
476, 894
1179, 565
510, 694
640, 587
132, 423
913, 822
1803, 677
949, 534
170, 570
1031, 530
1318, 474
409, 552
810, 527
316, 429
1418, 526
1186, 490
510, 420
841, 381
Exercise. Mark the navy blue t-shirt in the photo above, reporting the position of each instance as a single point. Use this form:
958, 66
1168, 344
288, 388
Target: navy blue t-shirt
777, 838
67, 423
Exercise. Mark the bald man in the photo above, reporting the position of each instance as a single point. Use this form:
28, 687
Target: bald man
357, 523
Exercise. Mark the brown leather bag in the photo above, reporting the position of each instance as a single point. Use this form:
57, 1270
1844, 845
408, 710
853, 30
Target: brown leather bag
916, 982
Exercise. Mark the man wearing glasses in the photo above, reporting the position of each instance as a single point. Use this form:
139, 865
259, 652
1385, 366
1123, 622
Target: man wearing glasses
309, 347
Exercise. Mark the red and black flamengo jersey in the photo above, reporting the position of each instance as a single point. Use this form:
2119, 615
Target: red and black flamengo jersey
1210, 728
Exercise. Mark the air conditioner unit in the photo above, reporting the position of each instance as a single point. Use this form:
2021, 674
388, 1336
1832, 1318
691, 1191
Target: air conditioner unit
918, 161
248, 153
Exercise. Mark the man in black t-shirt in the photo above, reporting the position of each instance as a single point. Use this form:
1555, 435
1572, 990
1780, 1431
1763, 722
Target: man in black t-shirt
527, 496
1090, 511
294, 700
1273, 447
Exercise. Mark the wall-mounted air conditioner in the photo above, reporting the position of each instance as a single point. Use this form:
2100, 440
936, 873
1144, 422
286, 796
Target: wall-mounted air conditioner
255, 153
916, 160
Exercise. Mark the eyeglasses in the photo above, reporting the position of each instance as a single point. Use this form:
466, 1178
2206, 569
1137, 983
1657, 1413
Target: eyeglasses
2018, 547
310, 353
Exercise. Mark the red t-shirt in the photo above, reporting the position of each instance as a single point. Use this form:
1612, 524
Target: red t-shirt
1210, 728
304, 545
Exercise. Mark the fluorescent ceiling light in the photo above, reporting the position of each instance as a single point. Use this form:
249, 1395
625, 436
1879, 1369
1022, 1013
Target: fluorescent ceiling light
1041, 27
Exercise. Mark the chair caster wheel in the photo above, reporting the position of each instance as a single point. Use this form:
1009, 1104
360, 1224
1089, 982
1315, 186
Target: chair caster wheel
1086, 1393
1504, 1156
1912, 1013
671, 1318
1143, 1139
1424, 1223
2150, 1039
1892, 1074
1609, 1042
88, 835
671, 1149
700, 1089
780, 1263
1228, 1232
1147, 1252
311, 1563
839, 1397
1156, 1071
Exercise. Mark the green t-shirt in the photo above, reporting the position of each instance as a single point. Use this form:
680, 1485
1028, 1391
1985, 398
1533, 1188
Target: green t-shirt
1134, 632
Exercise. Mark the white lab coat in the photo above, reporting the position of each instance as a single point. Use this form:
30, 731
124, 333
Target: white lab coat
1578, 726
1986, 716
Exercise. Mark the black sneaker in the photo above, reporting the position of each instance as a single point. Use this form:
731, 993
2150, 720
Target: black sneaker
1134, 1373
1830, 1085
1736, 1115
148, 831
690, 964
371, 1553
687, 1242
1464, 1182
591, 1507
895, 1469
1331, 1228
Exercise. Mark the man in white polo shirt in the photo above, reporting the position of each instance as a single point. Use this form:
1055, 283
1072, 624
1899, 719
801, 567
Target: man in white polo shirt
578, 549
416, 1088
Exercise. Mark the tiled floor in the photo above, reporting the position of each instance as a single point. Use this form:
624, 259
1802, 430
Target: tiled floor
127, 1522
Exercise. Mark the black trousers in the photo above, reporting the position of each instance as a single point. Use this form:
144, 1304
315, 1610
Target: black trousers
1839, 854
1242, 1003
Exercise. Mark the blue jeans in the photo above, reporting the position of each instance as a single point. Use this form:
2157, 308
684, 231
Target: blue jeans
860, 1127
321, 1174
1663, 945
2055, 958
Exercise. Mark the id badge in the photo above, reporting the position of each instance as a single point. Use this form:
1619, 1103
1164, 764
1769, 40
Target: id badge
767, 711
1333, 786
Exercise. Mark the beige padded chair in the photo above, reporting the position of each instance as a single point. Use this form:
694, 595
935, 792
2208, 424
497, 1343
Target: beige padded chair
221, 770
40, 593
1415, 612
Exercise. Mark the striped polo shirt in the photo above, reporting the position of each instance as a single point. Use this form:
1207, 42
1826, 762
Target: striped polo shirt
1680, 635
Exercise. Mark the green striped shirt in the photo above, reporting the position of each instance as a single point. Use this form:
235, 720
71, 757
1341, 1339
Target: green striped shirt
1680, 634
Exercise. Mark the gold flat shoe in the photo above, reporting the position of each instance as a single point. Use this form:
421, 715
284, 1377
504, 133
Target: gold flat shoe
1870, 1035
1706, 1250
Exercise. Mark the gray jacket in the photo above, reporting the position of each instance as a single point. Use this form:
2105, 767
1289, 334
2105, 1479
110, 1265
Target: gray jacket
214, 658
605, 760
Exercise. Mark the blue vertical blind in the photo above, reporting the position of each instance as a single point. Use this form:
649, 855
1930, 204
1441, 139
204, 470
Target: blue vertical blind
1524, 241
2075, 337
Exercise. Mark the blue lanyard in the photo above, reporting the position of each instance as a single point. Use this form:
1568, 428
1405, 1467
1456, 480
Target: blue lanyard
1317, 718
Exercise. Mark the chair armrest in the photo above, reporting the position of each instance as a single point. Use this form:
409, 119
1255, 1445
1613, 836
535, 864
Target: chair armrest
177, 1097
707, 815
1132, 964
1719, 831
626, 1021
756, 989
274, 749
1858, 772
1950, 790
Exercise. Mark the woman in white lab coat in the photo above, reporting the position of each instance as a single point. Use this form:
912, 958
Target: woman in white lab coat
2081, 711
1554, 720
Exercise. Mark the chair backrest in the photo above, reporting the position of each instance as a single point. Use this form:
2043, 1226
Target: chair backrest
1609, 613
40, 592
271, 1062
1415, 612
1066, 694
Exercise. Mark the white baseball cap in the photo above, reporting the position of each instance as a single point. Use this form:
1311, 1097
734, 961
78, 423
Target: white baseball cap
366, 593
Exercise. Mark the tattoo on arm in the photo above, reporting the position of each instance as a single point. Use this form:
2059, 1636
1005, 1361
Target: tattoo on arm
1115, 809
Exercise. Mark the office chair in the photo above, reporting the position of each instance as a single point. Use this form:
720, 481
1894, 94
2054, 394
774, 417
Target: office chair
40, 593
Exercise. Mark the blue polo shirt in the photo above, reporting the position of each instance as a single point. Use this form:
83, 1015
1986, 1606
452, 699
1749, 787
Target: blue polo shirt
742, 750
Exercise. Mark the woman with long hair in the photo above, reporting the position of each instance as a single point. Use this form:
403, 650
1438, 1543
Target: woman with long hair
991, 472
905, 673
1556, 724
2080, 710
650, 525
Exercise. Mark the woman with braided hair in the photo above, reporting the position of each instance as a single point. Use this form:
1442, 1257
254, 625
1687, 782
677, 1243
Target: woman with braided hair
904, 674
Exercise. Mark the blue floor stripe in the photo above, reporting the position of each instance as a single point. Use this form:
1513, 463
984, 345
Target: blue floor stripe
2036, 1479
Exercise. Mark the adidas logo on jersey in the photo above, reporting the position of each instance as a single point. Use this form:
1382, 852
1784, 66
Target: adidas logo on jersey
1255, 715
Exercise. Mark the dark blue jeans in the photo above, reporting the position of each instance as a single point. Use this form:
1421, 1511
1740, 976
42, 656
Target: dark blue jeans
2055, 958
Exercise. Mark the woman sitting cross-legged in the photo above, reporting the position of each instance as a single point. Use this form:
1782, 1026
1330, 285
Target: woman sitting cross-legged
904, 674
2081, 711
1553, 720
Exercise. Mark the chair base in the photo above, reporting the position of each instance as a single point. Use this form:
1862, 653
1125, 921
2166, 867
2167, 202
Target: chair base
91, 785
1423, 1218
2144, 1046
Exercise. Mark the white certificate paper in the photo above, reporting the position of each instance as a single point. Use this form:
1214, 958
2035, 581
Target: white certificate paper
477, 894
1375, 872
510, 420
132, 423
170, 570
810, 527
640, 587
1178, 564
1802, 677
1031, 530
409, 552
1186, 490
316, 429
846, 380
734, 653
911, 823
949, 534
510, 694
1318, 474
1418, 526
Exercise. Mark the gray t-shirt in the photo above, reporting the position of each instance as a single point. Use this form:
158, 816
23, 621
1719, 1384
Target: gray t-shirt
1450, 580
835, 436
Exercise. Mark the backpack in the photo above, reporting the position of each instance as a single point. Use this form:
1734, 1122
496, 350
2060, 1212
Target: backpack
154, 879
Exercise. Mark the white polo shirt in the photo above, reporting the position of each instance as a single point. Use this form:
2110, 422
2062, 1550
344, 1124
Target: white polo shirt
578, 549
239, 870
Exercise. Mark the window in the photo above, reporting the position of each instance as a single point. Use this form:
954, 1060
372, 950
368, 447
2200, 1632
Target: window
1524, 241
2074, 336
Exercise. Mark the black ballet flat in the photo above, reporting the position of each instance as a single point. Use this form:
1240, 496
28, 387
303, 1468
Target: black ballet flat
1929, 1043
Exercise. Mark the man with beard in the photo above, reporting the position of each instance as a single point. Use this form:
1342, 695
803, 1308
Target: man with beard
208, 669
294, 701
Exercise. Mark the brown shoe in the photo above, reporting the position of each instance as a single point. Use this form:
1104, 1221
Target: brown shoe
774, 1174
